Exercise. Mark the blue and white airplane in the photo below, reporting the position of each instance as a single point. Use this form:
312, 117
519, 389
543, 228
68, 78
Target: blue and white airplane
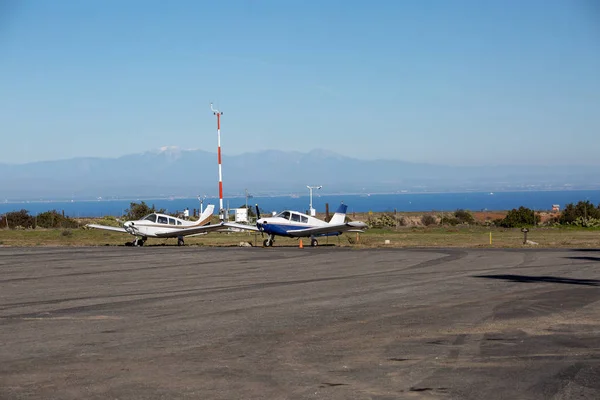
295, 224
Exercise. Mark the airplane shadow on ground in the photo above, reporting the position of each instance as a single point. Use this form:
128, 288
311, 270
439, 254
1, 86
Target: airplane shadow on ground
585, 258
538, 279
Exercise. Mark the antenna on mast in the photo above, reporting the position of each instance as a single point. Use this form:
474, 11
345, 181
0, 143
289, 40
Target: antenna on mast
310, 188
218, 114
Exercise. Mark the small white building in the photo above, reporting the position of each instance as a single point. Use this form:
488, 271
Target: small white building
241, 215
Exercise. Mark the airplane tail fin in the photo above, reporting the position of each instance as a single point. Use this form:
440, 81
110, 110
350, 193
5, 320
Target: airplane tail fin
340, 215
206, 215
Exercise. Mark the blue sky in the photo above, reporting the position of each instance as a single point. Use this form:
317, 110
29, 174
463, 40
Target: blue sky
462, 82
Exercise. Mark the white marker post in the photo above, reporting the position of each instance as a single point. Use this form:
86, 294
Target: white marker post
218, 114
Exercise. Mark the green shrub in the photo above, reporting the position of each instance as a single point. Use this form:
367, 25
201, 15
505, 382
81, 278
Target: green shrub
140, 210
583, 209
20, 219
382, 221
586, 222
428, 220
449, 221
464, 217
520, 217
54, 219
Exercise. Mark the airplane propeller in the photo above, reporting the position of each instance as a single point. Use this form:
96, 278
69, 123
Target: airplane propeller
130, 227
258, 224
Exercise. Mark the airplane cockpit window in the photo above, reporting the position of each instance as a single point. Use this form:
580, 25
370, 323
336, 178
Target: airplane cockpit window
172, 221
151, 217
178, 222
284, 215
296, 217
304, 219
163, 219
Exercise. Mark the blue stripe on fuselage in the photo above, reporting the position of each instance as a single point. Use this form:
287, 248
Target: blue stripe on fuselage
281, 230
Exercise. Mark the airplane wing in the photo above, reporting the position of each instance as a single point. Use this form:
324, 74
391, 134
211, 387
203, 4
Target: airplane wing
321, 230
107, 228
191, 231
226, 227
241, 226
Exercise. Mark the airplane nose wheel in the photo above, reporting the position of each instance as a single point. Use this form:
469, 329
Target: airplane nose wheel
268, 242
138, 242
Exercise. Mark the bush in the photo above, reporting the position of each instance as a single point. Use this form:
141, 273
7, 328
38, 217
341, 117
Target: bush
138, 211
586, 222
464, 217
383, 221
67, 232
428, 220
19, 219
444, 220
517, 218
583, 209
54, 219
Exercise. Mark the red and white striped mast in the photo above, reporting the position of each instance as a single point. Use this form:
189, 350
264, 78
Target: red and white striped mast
218, 114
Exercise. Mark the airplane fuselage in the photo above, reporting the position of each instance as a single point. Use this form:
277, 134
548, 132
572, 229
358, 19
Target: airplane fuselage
158, 225
285, 221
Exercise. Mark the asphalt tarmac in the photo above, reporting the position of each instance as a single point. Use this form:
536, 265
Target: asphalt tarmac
289, 323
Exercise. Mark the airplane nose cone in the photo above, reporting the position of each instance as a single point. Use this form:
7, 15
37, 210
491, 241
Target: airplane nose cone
260, 224
129, 226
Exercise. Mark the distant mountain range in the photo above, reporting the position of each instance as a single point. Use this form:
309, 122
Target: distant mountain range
171, 171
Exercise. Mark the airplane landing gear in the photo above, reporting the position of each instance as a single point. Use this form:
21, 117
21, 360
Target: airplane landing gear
269, 242
313, 241
180, 241
138, 242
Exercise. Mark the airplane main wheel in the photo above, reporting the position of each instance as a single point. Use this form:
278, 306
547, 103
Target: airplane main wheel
314, 243
180, 242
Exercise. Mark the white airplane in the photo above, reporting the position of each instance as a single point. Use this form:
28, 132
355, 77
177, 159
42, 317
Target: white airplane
165, 226
295, 224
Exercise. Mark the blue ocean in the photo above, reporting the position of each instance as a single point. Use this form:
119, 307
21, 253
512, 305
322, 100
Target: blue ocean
538, 200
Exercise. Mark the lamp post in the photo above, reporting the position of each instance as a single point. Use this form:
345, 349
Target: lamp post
312, 210
248, 196
201, 200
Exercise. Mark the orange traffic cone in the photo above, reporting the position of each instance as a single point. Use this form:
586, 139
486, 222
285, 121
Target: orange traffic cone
300, 245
